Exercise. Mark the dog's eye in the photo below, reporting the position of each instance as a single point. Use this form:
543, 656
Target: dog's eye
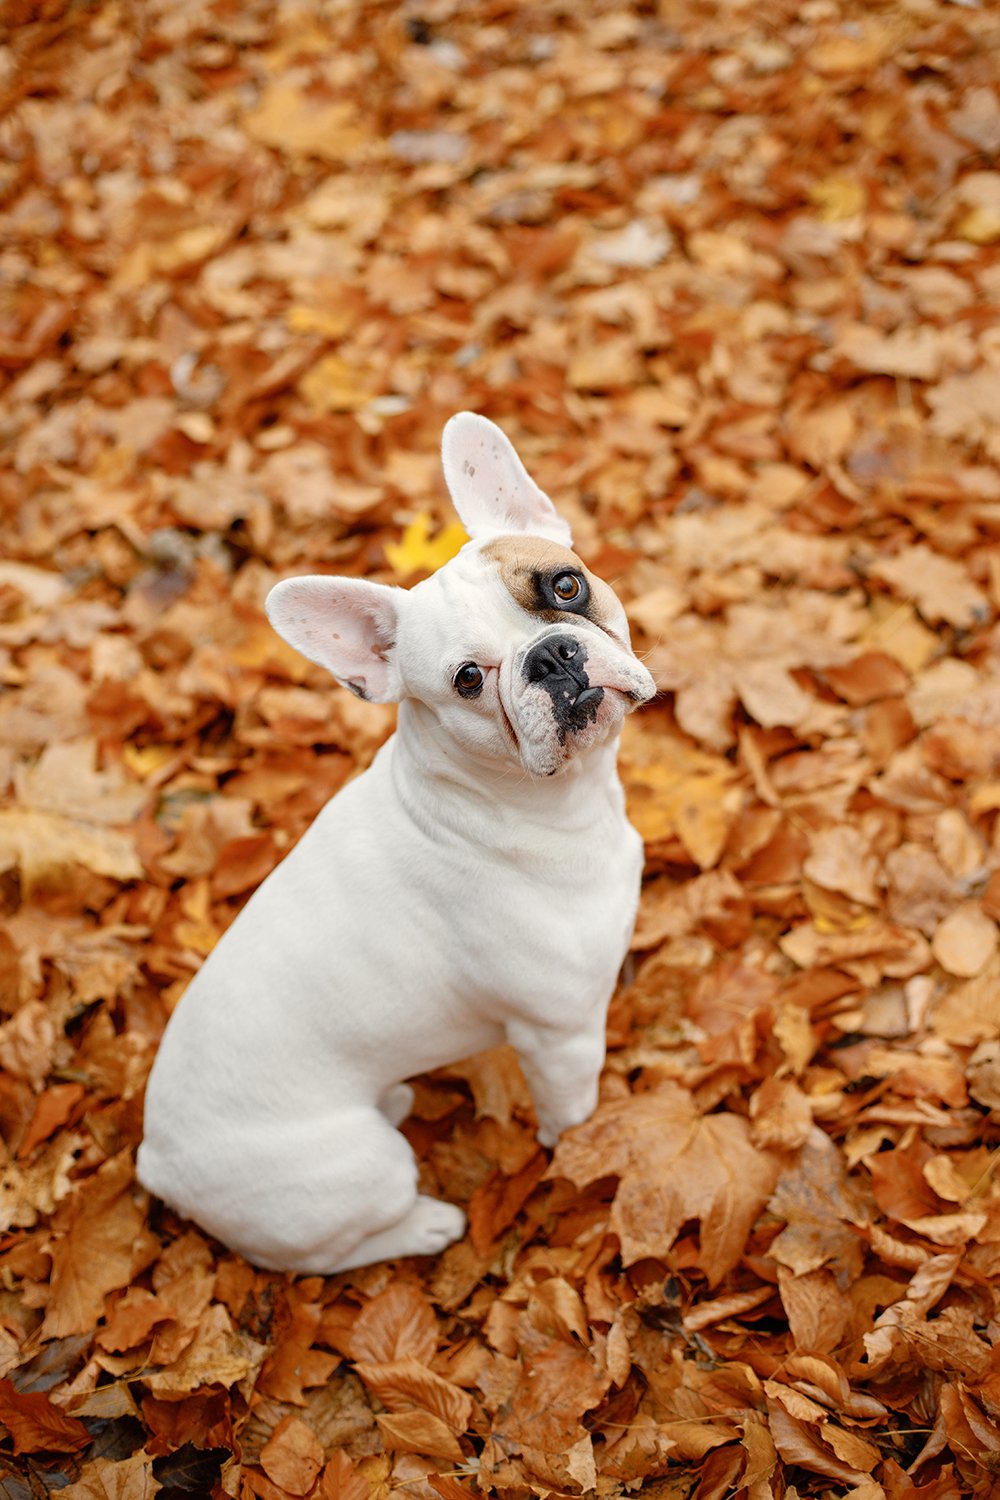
469, 680
567, 587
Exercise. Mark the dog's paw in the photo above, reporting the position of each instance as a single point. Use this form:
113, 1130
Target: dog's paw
396, 1103
433, 1224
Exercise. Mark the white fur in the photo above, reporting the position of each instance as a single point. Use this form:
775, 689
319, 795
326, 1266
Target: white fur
464, 891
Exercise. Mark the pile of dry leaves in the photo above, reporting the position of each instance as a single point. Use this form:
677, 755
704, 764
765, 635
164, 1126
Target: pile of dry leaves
728, 274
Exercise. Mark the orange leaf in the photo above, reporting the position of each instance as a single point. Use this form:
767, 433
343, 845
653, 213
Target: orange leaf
419, 1432
292, 1456
341, 1480
104, 1245
52, 1110
399, 1321
38, 1426
403, 1383
674, 1164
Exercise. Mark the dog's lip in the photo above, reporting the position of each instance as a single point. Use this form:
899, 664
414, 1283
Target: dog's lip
507, 724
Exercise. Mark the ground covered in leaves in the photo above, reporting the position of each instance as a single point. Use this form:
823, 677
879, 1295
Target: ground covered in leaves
728, 274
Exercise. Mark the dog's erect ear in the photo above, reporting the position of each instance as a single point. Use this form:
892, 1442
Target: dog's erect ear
490, 487
347, 625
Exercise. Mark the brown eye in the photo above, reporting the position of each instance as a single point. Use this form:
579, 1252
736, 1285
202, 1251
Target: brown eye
469, 680
567, 587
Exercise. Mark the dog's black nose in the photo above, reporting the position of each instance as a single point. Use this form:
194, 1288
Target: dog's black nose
556, 653
558, 664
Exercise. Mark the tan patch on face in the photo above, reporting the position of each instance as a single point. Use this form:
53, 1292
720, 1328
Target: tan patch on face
525, 563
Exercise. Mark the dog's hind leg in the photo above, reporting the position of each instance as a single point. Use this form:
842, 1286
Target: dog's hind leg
426, 1229
351, 1199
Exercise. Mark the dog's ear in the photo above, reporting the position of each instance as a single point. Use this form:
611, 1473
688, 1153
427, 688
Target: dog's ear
347, 625
490, 487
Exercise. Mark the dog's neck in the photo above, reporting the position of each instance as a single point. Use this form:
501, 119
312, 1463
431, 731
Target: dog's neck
495, 804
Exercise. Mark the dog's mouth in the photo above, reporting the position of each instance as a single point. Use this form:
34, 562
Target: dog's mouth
568, 691
508, 728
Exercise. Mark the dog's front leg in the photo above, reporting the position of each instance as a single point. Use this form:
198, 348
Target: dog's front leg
562, 1069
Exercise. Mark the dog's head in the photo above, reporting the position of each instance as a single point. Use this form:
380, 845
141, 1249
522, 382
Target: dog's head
518, 652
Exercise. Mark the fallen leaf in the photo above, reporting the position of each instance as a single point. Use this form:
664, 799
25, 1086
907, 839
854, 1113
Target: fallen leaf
399, 1322
41, 846
965, 940
101, 1242
105, 1479
821, 1210
939, 586
340, 1480
418, 552
419, 1432
673, 1164
292, 1456
36, 1425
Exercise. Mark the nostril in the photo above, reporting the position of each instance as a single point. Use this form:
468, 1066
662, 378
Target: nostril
566, 650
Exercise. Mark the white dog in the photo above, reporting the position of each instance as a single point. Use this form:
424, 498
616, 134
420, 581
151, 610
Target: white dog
478, 884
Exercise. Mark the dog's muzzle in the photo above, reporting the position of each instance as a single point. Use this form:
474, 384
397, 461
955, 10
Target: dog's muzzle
557, 664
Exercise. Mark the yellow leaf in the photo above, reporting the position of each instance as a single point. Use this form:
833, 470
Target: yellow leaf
146, 760
331, 322
418, 553
981, 225
197, 936
334, 385
673, 788
838, 197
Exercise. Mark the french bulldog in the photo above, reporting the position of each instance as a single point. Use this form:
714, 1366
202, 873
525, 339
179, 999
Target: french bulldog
476, 885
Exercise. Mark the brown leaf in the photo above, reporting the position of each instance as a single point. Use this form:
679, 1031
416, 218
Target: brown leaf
36, 1425
841, 859
817, 1202
204, 1420
52, 1110
130, 1479
419, 1432
801, 1445
293, 1363
817, 1308
398, 1322
133, 1319
403, 1383
495, 1204
965, 941
292, 1456
939, 586
673, 1165
218, 1355
43, 845
340, 1480
104, 1243
869, 677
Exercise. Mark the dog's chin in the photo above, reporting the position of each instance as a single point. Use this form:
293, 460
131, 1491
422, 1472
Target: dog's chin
545, 750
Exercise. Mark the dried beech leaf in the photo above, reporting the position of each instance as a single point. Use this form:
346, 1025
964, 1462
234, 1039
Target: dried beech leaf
104, 1245
127, 1479
292, 1456
36, 1425
399, 1322
416, 1431
673, 1164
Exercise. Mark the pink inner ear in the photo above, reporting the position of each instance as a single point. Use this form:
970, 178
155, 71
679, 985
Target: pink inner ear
347, 625
490, 487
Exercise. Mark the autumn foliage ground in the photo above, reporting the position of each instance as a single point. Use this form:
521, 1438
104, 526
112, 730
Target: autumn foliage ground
728, 274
